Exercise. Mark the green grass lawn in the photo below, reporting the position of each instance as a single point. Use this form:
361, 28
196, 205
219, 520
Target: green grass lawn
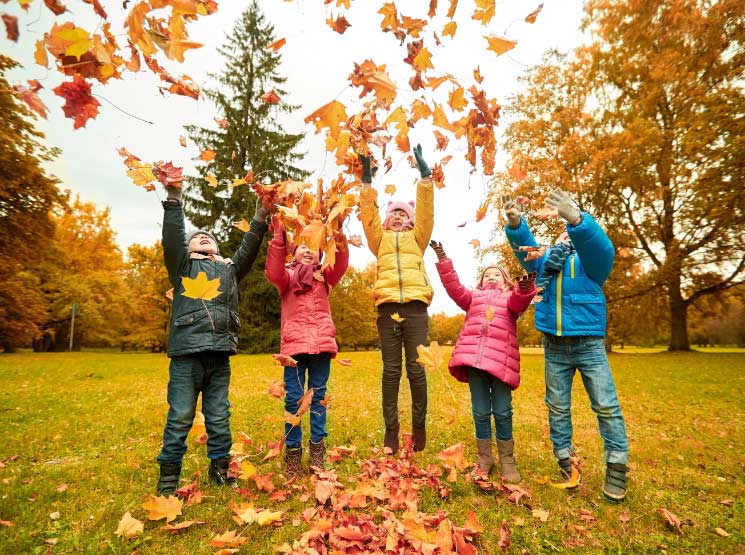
81, 433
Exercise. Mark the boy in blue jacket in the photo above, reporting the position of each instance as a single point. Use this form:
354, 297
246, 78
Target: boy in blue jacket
203, 334
571, 316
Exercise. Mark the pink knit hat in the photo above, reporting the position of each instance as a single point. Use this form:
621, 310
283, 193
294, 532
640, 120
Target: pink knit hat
407, 207
505, 275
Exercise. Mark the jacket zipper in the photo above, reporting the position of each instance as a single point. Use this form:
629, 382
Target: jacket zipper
558, 302
571, 266
483, 330
398, 267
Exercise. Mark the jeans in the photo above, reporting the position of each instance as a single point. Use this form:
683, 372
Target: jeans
563, 356
490, 397
409, 333
208, 373
318, 368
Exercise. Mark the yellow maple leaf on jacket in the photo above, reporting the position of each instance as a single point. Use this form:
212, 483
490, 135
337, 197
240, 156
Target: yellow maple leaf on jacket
201, 287
430, 357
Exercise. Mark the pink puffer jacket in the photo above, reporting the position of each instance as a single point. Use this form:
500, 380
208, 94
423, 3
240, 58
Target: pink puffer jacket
488, 340
307, 326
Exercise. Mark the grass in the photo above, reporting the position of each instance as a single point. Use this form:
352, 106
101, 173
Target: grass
93, 421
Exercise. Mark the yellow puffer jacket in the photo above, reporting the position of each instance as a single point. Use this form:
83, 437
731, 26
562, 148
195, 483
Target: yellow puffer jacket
401, 275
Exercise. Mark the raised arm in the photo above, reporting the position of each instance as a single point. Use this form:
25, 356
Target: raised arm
246, 254
449, 278
275, 270
519, 235
341, 263
370, 217
593, 246
424, 215
522, 293
175, 249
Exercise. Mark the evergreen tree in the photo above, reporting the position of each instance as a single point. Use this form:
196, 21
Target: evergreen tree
251, 140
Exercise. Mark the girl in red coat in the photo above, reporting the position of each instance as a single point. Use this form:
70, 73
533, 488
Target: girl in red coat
308, 335
486, 355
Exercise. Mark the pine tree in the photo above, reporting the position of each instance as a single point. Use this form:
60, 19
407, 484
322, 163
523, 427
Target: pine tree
252, 140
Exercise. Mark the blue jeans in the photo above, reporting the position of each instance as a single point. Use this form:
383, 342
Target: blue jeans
490, 397
318, 368
208, 373
563, 356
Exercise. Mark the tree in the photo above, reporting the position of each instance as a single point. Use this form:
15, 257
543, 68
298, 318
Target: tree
27, 194
148, 308
249, 140
353, 309
645, 125
445, 329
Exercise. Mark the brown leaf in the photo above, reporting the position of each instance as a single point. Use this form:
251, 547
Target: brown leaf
129, 527
531, 17
277, 390
504, 535
285, 360
672, 520
176, 528
11, 27
722, 532
55, 6
340, 24
540, 514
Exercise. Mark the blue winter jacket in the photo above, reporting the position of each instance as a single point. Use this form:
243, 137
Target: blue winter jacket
574, 303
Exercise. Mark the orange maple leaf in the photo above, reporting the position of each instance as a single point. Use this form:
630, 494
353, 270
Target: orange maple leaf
163, 507
340, 24
485, 11
207, 155
79, 104
305, 401
390, 16
329, 116
500, 45
449, 29
481, 213
270, 97
430, 357
451, 9
276, 45
285, 360
531, 17
229, 539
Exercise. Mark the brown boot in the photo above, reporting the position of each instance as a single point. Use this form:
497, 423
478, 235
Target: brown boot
317, 454
485, 460
420, 438
507, 461
391, 440
293, 462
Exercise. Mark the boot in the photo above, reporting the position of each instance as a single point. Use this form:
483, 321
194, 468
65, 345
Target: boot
507, 460
565, 470
485, 460
219, 472
168, 481
391, 439
616, 481
317, 454
293, 462
420, 438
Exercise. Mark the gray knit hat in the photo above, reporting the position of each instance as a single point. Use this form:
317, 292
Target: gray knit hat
190, 236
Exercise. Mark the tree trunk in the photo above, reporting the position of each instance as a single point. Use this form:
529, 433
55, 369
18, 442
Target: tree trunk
678, 321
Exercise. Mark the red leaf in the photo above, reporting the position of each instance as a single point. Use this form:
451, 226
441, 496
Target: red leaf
270, 98
55, 6
97, 7
79, 104
11, 26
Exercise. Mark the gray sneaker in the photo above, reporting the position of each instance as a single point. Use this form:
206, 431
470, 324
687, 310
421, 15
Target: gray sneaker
616, 481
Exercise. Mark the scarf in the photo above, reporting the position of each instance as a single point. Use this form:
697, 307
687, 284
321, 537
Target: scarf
302, 278
554, 263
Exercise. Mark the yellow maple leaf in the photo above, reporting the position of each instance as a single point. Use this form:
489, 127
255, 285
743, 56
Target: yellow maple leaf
390, 16
237, 181
485, 11
430, 357
449, 29
500, 45
457, 100
211, 180
390, 189
201, 287
573, 481
329, 116
79, 41
439, 118
129, 527
40, 54
423, 61
400, 118
141, 174
228, 539
163, 507
207, 155
248, 470
242, 224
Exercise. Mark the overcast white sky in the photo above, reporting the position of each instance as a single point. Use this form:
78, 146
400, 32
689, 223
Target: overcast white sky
317, 61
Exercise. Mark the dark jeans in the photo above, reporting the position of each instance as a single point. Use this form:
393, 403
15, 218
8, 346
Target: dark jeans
490, 397
409, 333
208, 373
318, 368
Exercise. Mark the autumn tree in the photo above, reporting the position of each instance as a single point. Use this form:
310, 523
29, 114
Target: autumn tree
353, 309
86, 270
248, 139
644, 126
445, 328
148, 309
27, 194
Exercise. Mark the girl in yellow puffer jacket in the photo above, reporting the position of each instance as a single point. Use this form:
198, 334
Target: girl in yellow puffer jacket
402, 293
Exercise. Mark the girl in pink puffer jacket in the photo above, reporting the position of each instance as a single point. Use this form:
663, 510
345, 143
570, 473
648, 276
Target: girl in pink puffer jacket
307, 335
486, 355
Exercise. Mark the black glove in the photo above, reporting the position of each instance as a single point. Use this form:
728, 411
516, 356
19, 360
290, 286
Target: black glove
526, 282
367, 172
424, 170
437, 247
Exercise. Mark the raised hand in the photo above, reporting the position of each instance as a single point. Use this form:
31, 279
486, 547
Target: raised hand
512, 211
437, 247
526, 282
261, 213
367, 173
424, 170
560, 201
174, 193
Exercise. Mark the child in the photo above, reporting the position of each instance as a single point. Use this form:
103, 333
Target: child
486, 355
202, 336
572, 319
402, 294
308, 335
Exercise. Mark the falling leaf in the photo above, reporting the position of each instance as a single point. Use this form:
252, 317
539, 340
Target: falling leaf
325, 401
396, 318
277, 389
475, 243
11, 26
449, 29
430, 357
168, 174
292, 419
55, 6
176, 528
390, 189
242, 224
540, 514
481, 213
238, 181
722, 532
222, 122
500, 45
422, 61
163, 507
207, 155
285, 360
211, 180
672, 520
373, 78
477, 75
485, 11
276, 45
274, 449
457, 100
344, 361
79, 104
97, 8
30, 96
355, 240
270, 97
182, 140
390, 16
340, 24
201, 287
228, 539
531, 17
329, 116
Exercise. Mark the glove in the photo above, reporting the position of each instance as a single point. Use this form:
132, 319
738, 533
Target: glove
174, 193
437, 247
367, 173
511, 211
560, 201
526, 282
424, 170
261, 213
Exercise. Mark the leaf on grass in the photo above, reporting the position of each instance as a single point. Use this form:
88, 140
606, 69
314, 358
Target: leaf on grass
228, 539
625, 516
159, 507
430, 357
176, 528
129, 527
504, 535
540, 514
572, 482
344, 361
672, 520
201, 287
722, 532
248, 470
500, 45
274, 449
472, 523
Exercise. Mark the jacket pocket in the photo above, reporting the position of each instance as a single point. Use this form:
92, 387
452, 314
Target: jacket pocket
190, 318
586, 298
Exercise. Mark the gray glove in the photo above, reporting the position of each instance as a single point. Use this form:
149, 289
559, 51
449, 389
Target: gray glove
261, 213
437, 247
174, 193
560, 201
511, 211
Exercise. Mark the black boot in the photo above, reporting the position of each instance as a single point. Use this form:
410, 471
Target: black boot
219, 472
391, 439
169, 477
420, 438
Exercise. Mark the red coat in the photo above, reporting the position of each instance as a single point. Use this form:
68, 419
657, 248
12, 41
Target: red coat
307, 326
487, 344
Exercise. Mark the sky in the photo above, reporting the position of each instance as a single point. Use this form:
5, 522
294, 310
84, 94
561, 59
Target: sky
317, 62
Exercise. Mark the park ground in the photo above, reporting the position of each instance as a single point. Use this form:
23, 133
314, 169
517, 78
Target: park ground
81, 432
